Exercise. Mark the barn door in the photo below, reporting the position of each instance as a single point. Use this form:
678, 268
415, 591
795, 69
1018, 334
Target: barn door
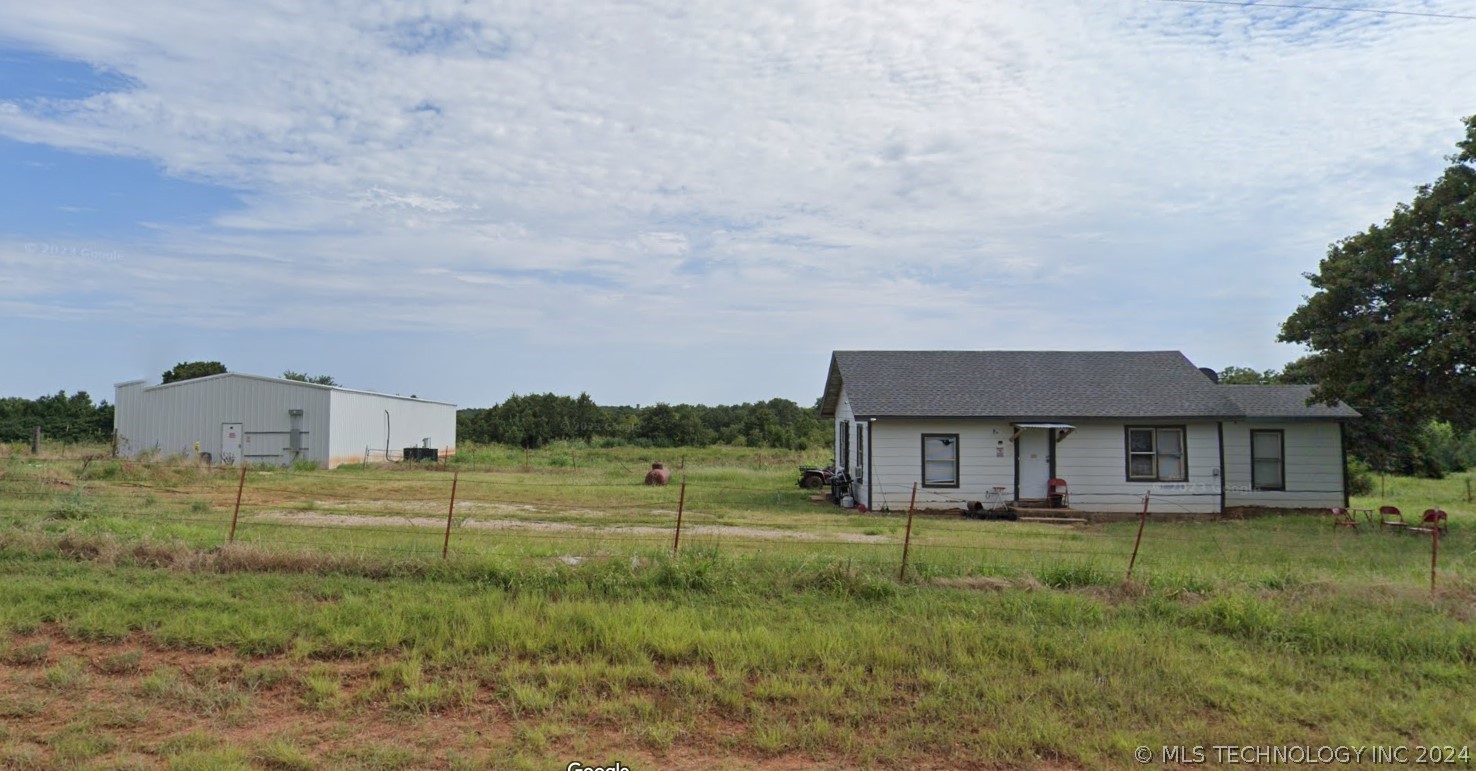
230, 443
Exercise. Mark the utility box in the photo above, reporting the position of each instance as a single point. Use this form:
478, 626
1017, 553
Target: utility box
421, 453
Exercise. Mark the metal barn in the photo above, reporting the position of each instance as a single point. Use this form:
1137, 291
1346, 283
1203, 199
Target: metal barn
233, 417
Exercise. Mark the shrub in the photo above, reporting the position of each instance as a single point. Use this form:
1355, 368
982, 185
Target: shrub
1360, 477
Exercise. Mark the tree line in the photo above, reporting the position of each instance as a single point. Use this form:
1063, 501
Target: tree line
64, 418
534, 420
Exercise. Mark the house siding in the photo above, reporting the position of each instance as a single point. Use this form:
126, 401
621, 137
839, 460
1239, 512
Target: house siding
1313, 468
844, 414
1093, 461
896, 462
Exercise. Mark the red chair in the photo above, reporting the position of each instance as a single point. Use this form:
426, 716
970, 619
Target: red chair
1056, 491
1390, 516
1343, 518
1434, 519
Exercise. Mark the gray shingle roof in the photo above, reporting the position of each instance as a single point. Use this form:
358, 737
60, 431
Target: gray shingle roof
1025, 385
1283, 401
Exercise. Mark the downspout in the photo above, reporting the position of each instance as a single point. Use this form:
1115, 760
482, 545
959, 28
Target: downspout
870, 429
1220, 429
1343, 446
386, 436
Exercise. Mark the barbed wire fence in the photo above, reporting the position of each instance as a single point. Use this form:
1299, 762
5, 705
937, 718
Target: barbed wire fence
438, 511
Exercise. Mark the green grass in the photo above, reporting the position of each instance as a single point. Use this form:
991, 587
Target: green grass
1011, 644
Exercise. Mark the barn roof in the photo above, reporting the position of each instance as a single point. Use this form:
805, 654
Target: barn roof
275, 380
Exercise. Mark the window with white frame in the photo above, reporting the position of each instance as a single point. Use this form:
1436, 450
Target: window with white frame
940, 460
1156, 454
1268, 460
860, 451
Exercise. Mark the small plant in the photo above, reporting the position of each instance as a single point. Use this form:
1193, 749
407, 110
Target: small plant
1072, 576
73, 505
320, 689
264, 677
120, 663
68, 674
283, 754
26, 655
80, 742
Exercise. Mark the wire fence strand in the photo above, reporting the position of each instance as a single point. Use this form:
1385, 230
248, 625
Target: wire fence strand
501, 512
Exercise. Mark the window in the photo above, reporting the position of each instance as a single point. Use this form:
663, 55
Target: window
940, 460
860, 452
1156, 454
1268, 460
844, 456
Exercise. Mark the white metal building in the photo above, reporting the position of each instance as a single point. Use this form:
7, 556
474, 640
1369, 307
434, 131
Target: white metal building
236, 417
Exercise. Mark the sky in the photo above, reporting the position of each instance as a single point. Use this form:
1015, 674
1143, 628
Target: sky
687, 201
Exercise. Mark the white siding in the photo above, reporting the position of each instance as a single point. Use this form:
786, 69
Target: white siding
170, 418
358, 421
1093, 461
986, 458
1313, 455
844, 414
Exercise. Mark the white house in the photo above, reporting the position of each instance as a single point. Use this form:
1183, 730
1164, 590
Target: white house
968, 426
235, 417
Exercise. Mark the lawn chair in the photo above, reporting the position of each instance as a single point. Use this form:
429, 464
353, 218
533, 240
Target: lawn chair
1390, 516
1434, 519
1344, 518
1058, 494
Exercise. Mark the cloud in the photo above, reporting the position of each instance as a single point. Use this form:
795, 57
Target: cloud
1072, 174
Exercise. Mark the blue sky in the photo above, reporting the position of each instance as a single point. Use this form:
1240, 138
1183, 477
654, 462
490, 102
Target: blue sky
686, 201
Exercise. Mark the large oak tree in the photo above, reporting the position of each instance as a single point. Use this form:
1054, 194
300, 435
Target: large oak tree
1392, 323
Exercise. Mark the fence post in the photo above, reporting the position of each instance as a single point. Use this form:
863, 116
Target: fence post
907, 539
1142, 520
676, 541
450, 511
1434, 551
241, 485
36, 440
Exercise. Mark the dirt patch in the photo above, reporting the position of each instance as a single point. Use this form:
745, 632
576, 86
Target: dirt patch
717, 531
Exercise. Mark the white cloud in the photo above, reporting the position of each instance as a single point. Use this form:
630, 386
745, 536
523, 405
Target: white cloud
1071, 174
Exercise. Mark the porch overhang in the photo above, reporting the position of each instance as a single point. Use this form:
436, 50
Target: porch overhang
1064, 428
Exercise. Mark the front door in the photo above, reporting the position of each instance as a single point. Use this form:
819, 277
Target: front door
1033, 454
230, 443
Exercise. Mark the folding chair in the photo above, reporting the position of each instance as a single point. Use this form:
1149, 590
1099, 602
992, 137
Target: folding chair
1343, 518
1389, 516
1434, 519
1056, 491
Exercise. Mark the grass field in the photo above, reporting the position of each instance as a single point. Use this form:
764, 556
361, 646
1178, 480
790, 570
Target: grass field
562, 628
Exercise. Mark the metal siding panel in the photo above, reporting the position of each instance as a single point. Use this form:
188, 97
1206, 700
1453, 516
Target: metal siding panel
174, 418
357, 421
